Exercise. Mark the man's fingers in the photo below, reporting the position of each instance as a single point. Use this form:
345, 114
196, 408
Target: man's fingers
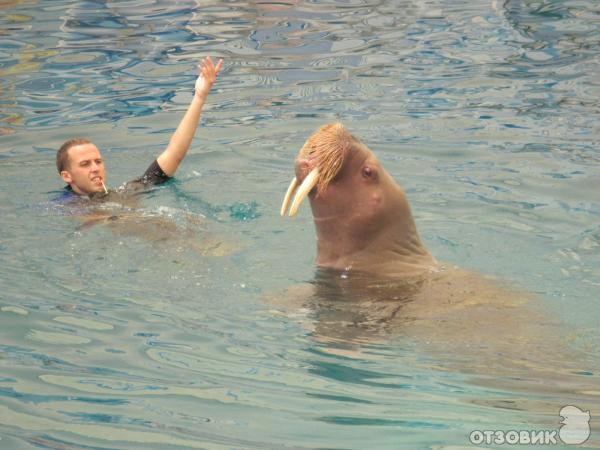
203, 63
208, 70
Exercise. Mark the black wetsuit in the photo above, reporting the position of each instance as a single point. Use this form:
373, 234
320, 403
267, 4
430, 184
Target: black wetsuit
153, 175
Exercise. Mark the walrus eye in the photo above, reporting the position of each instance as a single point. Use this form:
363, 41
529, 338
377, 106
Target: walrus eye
367, 172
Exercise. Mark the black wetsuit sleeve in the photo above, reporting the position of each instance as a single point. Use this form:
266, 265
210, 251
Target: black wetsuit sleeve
153, 175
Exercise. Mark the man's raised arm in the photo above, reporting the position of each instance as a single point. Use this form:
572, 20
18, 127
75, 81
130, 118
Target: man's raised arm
170, 159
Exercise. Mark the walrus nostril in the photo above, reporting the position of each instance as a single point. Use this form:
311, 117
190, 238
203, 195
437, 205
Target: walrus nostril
302, 168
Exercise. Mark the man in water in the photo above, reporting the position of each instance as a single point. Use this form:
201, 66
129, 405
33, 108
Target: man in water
80, 163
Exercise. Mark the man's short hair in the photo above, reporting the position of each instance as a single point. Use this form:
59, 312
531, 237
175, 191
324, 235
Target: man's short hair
62, 155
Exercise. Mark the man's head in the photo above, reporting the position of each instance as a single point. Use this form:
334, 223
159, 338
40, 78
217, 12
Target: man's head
80, 165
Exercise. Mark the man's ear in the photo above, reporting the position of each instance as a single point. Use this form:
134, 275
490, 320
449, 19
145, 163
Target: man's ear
66, 176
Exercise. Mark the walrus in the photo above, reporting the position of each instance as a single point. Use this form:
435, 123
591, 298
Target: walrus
362, 216
375, 276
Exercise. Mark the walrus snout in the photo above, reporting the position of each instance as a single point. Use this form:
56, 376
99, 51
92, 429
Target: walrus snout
320, 159
300, 187
302, 167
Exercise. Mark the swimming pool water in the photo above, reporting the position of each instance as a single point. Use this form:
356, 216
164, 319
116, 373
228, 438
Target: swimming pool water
160, 332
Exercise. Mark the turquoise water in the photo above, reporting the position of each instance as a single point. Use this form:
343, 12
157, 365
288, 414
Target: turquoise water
147, 334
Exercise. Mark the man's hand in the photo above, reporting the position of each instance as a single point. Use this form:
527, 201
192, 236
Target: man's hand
207, 74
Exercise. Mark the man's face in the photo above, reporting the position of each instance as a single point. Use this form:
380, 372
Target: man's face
85, 171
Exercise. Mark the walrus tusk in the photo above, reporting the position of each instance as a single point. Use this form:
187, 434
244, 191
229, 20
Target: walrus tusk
288, 196
307, 185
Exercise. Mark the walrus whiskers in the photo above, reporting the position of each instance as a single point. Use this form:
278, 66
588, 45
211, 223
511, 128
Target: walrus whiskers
288, 196
327, 148
307, 185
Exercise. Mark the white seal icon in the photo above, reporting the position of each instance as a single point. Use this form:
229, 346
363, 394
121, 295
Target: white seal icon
575, 427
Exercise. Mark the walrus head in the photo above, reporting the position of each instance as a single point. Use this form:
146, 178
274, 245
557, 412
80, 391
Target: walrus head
362, 217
